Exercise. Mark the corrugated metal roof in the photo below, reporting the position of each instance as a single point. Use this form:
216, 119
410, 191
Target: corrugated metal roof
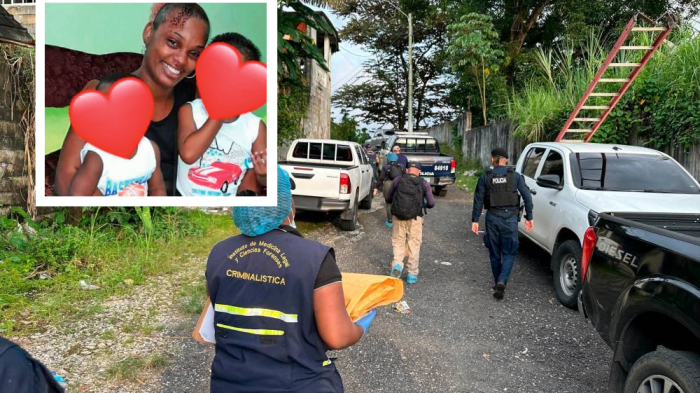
11, 31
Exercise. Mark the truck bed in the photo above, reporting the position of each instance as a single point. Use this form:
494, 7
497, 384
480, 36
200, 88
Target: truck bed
686, 225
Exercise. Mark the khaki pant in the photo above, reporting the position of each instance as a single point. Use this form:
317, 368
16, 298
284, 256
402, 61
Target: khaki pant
407, 233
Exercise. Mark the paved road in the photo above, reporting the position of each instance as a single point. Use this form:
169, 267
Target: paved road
457, 338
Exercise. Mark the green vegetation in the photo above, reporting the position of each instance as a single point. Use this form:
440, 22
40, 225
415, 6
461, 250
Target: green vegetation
43, 263
131, 367
347, 130
659, 108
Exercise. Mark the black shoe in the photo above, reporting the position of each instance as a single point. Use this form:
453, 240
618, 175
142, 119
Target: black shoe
500, 288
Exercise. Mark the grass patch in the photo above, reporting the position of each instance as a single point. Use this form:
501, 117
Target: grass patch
193, 297
42, 263
131, 367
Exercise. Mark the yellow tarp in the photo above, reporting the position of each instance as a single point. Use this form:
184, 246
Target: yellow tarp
363, 292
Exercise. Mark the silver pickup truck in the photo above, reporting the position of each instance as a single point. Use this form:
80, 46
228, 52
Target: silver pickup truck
437, 168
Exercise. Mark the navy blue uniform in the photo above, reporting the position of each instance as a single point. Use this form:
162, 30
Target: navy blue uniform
20, 373
501, 237
262, 291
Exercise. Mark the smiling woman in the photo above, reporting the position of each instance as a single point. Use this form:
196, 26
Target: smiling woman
171, 38
172, 42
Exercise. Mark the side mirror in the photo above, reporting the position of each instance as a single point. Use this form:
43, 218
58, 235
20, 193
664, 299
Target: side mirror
550, 181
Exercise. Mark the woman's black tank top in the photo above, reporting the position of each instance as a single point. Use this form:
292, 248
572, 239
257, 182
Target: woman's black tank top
164, 133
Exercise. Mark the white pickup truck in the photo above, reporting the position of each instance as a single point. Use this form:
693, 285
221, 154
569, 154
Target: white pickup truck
330, 176
572, 182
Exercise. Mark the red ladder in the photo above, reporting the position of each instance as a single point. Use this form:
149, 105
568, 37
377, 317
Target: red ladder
670, 21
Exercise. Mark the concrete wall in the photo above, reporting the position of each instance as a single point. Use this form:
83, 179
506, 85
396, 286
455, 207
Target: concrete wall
317, 123
13, 176
478, 142
25, 15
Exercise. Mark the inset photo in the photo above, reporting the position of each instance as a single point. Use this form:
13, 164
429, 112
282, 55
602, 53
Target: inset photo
157, 100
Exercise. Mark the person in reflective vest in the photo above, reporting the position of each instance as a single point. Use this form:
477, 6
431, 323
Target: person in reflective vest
278, 303
497, 191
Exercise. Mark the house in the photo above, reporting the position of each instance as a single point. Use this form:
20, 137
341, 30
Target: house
317, 123
24, 12
14, 176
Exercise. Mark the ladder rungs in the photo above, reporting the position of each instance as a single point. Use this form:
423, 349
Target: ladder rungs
633, 47
595, 107
604, 94
572, 140
624, 64
614, 80
586, 119
649, 28
586, 130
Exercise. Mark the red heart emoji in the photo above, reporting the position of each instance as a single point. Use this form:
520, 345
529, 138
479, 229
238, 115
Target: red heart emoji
228, 86
114, 122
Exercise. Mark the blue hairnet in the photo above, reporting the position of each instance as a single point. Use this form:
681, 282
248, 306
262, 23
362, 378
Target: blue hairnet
256, 220
392, 157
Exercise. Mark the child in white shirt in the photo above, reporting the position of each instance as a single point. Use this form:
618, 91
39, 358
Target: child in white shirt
215, 155
112, 175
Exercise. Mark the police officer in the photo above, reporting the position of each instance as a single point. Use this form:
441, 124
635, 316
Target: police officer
279, 305
497, 191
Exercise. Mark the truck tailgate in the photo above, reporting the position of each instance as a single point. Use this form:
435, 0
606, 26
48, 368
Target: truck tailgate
314, 180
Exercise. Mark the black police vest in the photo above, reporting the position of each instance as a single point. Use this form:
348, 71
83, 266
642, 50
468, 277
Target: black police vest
501, 190
262, 291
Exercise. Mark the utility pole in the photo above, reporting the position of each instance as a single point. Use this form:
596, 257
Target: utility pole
410, 65
410, 72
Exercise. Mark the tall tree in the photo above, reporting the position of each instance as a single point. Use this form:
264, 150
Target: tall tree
474, 49
381, 93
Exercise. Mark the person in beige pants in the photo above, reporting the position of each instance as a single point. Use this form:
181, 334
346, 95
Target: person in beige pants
408, 195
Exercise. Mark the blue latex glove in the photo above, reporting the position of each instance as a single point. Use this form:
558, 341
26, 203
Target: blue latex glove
366, 320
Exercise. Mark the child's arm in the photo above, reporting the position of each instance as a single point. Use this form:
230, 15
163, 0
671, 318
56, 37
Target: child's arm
193, 142
260, 154
87, 176
69, 160
156, 184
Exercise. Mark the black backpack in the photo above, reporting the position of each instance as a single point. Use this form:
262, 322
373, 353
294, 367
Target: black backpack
395, 170
408, 198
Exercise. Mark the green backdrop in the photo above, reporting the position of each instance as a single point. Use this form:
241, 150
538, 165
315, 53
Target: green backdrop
107, 28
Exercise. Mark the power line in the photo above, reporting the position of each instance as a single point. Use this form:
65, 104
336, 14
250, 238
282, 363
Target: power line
354, 54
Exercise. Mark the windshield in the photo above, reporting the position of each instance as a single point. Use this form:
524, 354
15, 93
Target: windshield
632, 173
417, 145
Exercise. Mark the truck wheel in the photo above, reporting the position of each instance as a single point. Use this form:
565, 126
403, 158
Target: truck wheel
566, 263
665, 371
351, 224
366, 203
440, 191
224, 187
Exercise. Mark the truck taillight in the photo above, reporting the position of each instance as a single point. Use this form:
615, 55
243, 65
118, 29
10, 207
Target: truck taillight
453, 166
589, 241
344, 183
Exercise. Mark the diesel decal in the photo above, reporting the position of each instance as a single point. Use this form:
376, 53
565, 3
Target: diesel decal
616, 252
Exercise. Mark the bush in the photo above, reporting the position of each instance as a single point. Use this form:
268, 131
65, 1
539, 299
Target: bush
660, 106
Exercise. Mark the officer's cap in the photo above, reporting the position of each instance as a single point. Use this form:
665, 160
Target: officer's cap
413, 164
499, 152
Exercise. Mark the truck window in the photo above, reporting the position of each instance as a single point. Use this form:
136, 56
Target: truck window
358, 151
532, 161
315, 151
344, 153
329, 151
301, 150
633, 173
418, 145
554, 165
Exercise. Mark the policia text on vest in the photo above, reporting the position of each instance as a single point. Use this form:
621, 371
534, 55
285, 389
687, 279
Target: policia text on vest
499, 191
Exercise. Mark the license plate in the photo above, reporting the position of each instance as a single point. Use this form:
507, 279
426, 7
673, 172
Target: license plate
428, 179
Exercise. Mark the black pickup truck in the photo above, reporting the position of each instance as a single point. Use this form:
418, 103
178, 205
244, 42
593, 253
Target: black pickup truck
641, 291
